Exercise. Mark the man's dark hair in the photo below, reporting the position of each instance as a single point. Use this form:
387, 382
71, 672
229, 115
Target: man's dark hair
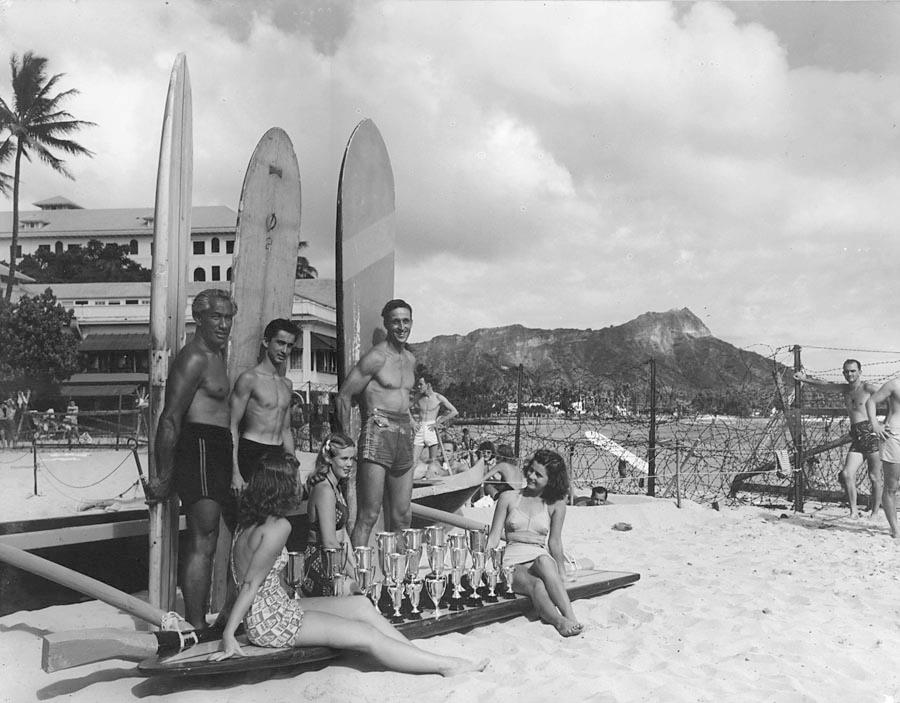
393, 305
852, 361
279, 324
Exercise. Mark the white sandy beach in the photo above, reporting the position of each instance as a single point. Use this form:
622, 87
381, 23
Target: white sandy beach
745, 604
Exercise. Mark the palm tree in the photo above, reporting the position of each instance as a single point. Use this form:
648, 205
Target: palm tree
35, 124
304, 270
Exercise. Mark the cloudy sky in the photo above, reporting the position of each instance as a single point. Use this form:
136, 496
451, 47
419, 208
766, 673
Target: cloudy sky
556, 165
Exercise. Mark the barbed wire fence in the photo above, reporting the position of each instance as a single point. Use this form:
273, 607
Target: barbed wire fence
702, 456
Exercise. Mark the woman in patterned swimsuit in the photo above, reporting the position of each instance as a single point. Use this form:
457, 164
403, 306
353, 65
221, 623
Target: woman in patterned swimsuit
326, 514
271, 619
532, 520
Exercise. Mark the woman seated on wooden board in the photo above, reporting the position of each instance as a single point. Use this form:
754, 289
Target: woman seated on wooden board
272, 619
532, 520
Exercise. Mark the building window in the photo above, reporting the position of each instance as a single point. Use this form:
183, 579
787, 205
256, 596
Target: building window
44, 248
229, 246
18, 251
324, 361
199, 247
73, 247
133, 246
199, 274
296, 358
216, 273
81, 302
58, 247
114, 302
214, 245
130, 301
228, 274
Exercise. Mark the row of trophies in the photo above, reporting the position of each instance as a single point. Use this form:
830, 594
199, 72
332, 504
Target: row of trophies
474, 571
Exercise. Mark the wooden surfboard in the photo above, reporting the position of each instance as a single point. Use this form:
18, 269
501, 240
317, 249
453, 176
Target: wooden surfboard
168, 299
364, 253
262, 284
195, 662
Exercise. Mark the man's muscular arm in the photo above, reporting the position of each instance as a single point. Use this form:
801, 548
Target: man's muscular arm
287, 436
450, 411
355, 383
181, 385
879, 396
240, 396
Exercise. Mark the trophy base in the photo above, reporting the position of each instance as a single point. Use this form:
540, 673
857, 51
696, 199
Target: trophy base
491, 599
475, 602
397, 619
456, 604
414, 616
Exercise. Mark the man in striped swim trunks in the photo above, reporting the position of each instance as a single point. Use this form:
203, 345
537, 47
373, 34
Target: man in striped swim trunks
193, 444
864, 445
381, 382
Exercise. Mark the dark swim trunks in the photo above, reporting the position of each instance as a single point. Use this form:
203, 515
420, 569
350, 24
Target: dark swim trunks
864, 439
249, 453
390, 446
203, 464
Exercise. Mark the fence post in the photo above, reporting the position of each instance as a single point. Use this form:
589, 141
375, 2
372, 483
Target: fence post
678, 473
518, 408
34, 459
651, 444
799, 472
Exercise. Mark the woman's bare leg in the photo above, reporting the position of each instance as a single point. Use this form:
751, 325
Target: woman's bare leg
546, 569
323, 629
528, 584
357, 608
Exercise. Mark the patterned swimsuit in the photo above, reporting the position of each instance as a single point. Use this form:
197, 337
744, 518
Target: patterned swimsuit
273, 619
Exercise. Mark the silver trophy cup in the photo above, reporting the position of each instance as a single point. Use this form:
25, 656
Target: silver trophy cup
295, 571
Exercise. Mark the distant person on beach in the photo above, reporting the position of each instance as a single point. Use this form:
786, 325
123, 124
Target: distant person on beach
193, 444
432, 411
532, 520
261, 403
599, 496
381, 381
272, 619
890, 449
7, 422
467, 445
864, 441
506, 475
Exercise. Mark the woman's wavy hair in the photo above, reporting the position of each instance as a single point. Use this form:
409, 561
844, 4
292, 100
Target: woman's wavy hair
336, 442
506, 453
557, 486
272, 490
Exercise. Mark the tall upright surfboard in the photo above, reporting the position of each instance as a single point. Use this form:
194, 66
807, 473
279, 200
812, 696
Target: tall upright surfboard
168, 300
364, 250
266, 244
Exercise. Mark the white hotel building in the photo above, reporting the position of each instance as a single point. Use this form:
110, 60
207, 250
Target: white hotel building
113, 318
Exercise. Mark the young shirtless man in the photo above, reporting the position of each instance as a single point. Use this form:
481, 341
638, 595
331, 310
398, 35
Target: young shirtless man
890, 450
432, 411
864, 444
193, 444
261, 404
381, 382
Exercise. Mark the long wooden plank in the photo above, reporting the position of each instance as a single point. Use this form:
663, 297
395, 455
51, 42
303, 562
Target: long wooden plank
266, 243
194, 662
168, 299
68, 536
83, 584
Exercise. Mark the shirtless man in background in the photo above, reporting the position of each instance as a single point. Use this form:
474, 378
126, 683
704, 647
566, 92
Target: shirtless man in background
432, 411
193, 444
890, 450
381, 382
864, 445
261, 404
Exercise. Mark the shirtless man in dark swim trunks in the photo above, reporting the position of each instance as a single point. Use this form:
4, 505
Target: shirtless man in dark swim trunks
193, 444
864, 444
381, 381
261, 404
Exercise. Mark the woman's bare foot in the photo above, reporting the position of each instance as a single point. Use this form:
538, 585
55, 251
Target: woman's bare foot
463, 666
568, 627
